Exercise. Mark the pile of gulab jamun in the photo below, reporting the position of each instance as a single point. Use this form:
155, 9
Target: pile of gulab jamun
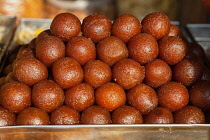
98, 71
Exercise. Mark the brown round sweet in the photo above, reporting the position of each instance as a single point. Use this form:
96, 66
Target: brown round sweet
67, 72
125, 27
187, 72
111, 49
200, 95
30, 71
49, 49
143, 98
110, 96
41, 35
197, 49
47, 95
9, 78
95, 115
157, 24
97, 73
32, 116
172, 49
80, 97
189, 115
128, 73
175, 31
25, 51
64, 116
7, 118
15, 96
159, 115
81, 48
157, 73
96, 27
65, 26
32, 43
126, 115
143, 48
173, 96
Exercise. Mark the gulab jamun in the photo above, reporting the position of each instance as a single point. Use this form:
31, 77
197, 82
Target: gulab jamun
125, 27
128, 73
110, 96
7, 118
143, 98
67, 72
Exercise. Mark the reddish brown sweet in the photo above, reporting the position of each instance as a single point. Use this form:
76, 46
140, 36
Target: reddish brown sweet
187, 72
30, 71
81, 48
95, 115
47, 95
24, 51
64, 116
125, 27
197, 49
172, 49
159, 115
173, 96
96, 27
9, 78
157, 73
32, 43
65, 26
32, 116
110, 96
189, 115
7, 118
43, 34
111, 49
206, 73
97, 73
15, 96
49, 49
175, 31
157, 24
143, 48
126, 115
143, 98
80, 97
200, 95
67, 72
128, 73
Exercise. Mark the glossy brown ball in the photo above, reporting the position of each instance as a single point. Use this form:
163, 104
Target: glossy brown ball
80, 97
189, 115
41, 35
65, 26
7, 118
159, 115
95, 115
32, 116
157, 73
128, 73
30, 71
157, 24
67, 72
49, 49
97, 73
125, 27
111, 49
96, 27
110, 96
143, 48
25, 51
47, 95
200, 95
81, 48
64, 116
172, 49
206, 73
143, 98
173, 96
175, 31
126, 115
15, 96
187, 72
